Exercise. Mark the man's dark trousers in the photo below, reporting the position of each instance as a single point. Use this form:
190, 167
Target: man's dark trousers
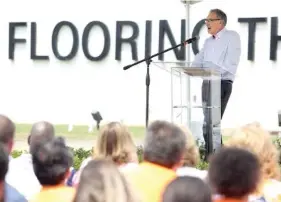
226, 89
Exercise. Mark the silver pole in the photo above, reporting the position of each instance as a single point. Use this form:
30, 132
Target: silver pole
181, 114
172, 97
187, 6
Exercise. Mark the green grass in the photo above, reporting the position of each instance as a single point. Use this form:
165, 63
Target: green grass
78, 132
78, 137
225, 138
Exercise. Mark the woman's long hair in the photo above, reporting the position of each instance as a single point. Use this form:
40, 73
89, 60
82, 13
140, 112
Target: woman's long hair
115, 142
101, 181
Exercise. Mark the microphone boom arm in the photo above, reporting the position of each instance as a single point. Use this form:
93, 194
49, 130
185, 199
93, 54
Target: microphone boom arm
164, 51
147, 79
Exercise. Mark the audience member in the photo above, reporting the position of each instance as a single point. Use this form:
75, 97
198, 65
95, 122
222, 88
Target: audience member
51, 162
7, 192
101, 181
114, 142
186, 189
257, 140
233, 174
164, 148
40, 132
7, 133
191, 158
21, 174
245, 170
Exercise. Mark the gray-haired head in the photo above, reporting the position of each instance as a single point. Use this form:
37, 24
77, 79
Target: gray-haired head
40, 131
215, 21
220, 15
164, 144
7, 132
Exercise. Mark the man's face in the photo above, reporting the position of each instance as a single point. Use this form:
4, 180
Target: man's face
213, 23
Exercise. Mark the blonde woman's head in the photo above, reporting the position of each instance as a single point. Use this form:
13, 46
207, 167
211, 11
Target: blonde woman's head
101, 181
257, 140
115, 142
191, 156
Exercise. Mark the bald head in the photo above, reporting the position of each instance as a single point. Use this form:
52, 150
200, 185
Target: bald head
7, 131
40, 131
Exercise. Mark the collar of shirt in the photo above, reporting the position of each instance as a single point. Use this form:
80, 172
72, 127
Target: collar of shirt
219, 34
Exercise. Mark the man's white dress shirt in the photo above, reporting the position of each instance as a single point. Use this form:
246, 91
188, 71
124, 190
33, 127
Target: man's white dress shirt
221, 51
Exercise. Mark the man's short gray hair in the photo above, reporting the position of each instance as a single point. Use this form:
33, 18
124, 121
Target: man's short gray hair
220, 14
164, 144
7, 129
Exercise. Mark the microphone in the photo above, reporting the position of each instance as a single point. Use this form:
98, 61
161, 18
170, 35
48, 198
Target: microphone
191, 40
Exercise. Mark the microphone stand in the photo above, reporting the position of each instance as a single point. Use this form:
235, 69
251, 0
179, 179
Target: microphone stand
148, 61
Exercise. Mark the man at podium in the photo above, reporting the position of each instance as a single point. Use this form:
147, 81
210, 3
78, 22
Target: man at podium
222, 48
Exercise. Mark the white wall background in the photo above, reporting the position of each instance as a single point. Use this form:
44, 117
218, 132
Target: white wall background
66, 92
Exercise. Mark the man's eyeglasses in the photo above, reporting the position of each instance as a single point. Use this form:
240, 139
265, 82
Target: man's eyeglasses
212, 20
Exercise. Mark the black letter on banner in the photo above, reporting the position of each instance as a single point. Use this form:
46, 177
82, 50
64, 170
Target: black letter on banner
75, 44
33, 43
148, 35
165, 28
274, 38
196, 32
85, 39
131, 40
12, 39
251, 34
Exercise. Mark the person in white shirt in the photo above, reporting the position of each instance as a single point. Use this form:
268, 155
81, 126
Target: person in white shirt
222, 50
21, 174
7, 135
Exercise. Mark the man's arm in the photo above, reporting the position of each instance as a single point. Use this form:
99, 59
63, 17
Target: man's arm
232, 57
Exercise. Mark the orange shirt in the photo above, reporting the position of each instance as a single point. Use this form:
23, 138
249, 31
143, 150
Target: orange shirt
149, 181
227, 200
58, 193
